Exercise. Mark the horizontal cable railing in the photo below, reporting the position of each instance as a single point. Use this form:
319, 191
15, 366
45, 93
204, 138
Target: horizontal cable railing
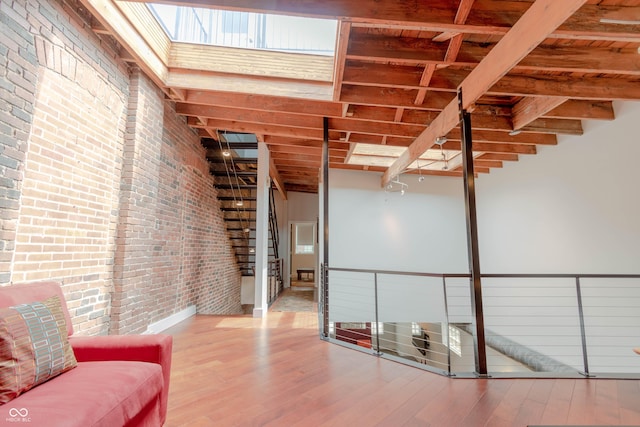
535, 324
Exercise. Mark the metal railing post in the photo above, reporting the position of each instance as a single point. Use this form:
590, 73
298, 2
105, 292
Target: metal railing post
446, 329
375, 291
583, 334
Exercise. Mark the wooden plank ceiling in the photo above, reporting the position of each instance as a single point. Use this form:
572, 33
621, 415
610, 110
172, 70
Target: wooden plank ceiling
397, 67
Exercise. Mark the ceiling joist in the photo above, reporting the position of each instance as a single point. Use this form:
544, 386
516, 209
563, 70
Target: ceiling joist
542, 18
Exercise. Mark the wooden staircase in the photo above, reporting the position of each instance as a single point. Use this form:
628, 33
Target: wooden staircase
235, 168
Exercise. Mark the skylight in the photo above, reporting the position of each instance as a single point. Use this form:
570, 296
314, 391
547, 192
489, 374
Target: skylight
384, 156
247, 30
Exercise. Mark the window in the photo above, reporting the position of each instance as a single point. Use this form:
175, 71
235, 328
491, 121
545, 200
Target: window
247, 30
377, 328
455, 342
235, 22
416, 329
304, 239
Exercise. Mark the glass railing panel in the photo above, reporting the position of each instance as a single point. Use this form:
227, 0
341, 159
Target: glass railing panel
611, 308
532, 324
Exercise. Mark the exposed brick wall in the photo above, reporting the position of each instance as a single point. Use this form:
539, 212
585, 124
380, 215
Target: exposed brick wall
68, 205
171, 234
209, 273
103, 188
18, 79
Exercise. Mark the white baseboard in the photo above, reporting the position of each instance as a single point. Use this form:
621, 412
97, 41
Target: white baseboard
174, 319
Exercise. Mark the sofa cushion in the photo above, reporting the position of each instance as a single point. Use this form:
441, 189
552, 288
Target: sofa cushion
99, 394
33, 346
28, 292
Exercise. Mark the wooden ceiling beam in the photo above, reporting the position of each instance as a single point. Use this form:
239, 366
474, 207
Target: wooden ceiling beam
301, 126
504, 157
111, 19
266, 86
579, 109
585, 87
264, 103
542, 18
494, 147
596, 87
293, 142
263, 129
344, 32
305, 150
529, 109
397, 97
276, 178
555, 126
494, 136
464, 8
420, 51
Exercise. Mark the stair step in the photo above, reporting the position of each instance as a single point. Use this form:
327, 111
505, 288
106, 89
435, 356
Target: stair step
231, 198
234, 174
241, 186
244, 160
237, 208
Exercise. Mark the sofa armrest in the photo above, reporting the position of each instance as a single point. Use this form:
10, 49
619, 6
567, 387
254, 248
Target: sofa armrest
140, 348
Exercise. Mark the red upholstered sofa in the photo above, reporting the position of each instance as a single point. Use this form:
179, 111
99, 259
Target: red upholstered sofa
118, 381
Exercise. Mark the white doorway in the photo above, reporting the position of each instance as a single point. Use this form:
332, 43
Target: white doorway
303, 248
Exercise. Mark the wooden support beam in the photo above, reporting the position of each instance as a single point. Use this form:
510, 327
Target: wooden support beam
464, 8
340, 54
112, 19
277, 179
529, 109
542, 18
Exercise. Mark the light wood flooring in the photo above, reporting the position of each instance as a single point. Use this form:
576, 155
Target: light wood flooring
240, 371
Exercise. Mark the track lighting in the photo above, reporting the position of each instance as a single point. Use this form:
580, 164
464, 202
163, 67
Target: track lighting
403, 186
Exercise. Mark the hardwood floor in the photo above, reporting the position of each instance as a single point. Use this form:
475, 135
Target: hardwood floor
240, 371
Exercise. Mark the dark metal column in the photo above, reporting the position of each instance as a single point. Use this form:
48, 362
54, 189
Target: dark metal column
472, 240
325, 219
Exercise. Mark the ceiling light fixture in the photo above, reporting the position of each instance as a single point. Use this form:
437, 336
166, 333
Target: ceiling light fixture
440, 141
515, 132
226, 153
403, 186
239, 203
420, 178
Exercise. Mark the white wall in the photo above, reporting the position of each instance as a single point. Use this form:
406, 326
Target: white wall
302, 206
422, 231
572, 208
